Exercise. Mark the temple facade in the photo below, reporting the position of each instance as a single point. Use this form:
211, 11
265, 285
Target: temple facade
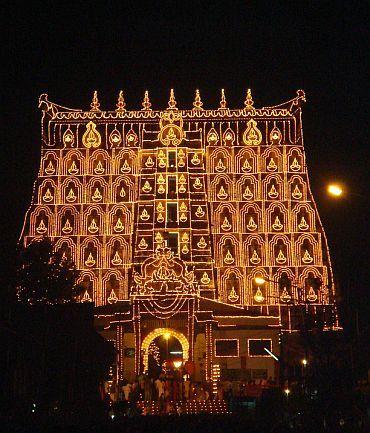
195, 226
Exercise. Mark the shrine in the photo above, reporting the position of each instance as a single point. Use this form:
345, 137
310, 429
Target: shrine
172, 216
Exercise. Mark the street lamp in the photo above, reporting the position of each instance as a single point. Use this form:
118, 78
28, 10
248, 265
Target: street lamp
335, 190
304, 362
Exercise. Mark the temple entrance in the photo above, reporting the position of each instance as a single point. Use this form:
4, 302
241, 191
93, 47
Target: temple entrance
162, 350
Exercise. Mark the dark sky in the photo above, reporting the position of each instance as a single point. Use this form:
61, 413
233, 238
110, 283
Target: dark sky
274, 47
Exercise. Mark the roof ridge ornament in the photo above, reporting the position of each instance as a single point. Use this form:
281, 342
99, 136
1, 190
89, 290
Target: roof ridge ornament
198, 104
248, 103
121, 104
95, 102
172, 101
223, 103
146, 102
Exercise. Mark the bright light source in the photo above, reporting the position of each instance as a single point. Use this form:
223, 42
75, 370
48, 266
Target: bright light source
271, 354
287, 391
260, 280
177, 364
304, 362
167, 335
335, 190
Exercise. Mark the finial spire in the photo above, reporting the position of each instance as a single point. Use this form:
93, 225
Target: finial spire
121, 104
172, 101
95, 102
248, 103
223, 99
146, 102
197, 104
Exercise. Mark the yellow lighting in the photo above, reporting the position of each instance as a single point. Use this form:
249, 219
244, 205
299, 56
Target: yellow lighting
287, 391
177, 364
304, 362
167, 335
335, 190
260, 280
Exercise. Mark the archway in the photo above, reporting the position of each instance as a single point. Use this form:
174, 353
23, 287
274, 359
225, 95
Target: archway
167, 333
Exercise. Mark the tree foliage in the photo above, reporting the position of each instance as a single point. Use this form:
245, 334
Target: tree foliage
45, 276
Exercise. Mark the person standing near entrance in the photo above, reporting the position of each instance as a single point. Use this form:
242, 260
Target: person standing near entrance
159, 388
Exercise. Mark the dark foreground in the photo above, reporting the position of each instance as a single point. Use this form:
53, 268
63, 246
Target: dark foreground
262, 419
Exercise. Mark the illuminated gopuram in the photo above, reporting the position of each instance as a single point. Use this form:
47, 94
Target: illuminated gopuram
172, 214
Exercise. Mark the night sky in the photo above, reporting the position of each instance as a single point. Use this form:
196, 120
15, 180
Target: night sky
273, 47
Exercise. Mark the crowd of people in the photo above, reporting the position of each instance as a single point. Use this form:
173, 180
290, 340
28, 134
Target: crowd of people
175, 387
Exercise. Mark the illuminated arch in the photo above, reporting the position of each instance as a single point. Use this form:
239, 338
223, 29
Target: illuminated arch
129, 187
221, 180
124, 250
93, 185
267, 183
314, 244
95, 157
252, 183
50, 156
252, 286
275, 240
215, 156
69, 244
87, 215
296, 153
223, 249
228, 210
249, 245
251, 210
48, 184
48, 219
293, 182
66, 187
157, 333
61, 216
266, 156
105, 281
252, 159
224, 283
122, 212
310, 217
125, 155
271, 213
73, 155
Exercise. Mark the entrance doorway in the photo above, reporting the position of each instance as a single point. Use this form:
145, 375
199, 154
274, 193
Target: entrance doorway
164, 348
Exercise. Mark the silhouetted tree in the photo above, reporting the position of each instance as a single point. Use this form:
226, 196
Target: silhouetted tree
45, 276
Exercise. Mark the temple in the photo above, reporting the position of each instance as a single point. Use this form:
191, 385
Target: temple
195, 230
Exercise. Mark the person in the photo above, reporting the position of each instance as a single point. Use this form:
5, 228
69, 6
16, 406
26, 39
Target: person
187, 389
220, 391
126, 390
147, 389
159, 387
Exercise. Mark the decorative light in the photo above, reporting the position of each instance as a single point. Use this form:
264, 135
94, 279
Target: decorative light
260, 281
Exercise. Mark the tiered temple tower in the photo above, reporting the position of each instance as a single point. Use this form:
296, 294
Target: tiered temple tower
226, 190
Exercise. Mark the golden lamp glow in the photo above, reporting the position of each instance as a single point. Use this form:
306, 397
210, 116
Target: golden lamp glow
167, 335
304, 362
335, 190
287, 391
260, 280
177, 364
